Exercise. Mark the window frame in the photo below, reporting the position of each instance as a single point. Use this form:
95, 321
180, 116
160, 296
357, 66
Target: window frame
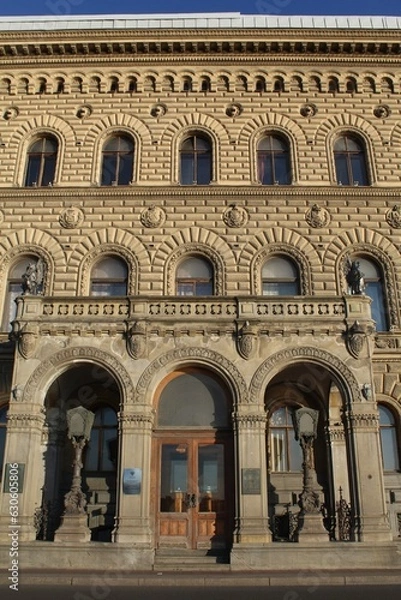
101, 442
346, 158
270, 158
117, 155
193, 158
394, 428
108, 280
275, 280
193, 281
289, 442
45, 161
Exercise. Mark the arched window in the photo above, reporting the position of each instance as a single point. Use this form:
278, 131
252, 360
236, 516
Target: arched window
194, 277
14, 289
333, 85
3, 431
196, 161
273, 161
117, 160
278, 85
109, 277
260, 84
280, 277
285, 450
41, 162
350, 161
205, 84
351, 85
388, 438
101, 453
374, 288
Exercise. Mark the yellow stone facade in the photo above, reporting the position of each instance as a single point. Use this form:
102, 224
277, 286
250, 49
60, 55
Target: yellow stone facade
160, 86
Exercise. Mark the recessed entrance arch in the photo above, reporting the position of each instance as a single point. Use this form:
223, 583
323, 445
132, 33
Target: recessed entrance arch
93, 387
193, 461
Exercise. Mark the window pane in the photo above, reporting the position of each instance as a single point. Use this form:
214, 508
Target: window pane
374, 290
280, 288
359, 169
194, 267
92, 452
174, 475
389, 448
125, 169
204, 288
342, 169
108, 288
386, 416
278, 450
265, 169
187, 169
110, 267
295, 451
108, 450
279, 267
49, 167
109, 169
33, 170
204, 169
186, 288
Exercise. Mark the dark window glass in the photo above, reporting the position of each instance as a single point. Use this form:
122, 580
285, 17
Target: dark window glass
194, 277
350, 161
117, 161
101, 453
388, 437
109, 277
285, 450
280, 277
273, 161
41, 162
196, 161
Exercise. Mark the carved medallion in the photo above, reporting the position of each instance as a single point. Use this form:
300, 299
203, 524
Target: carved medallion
153, 216
84, 111
234, 110
308, 110
356, 339
158, 110
136, 340
10, 113
382, 111
393, 216
27, 340
247, 341
71, 217
235, 216
317, 216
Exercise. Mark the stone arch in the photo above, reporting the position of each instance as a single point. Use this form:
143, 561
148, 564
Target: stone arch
372, 243
166, 363
348, 122
33, 241
193, 240
113, 241
51, 368
271, 122
395, 136
195, 122
45, 123
117, 123
280, 240
344, 377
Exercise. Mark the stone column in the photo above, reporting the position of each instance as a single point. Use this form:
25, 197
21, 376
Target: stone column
369, 498
133, 521
23, 446
252, 520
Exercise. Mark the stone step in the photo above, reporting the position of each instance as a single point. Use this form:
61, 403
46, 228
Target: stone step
184, 559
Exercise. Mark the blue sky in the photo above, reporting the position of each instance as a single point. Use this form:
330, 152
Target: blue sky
275, 7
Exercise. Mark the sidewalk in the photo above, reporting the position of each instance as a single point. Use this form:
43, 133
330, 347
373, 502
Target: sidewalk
209, 579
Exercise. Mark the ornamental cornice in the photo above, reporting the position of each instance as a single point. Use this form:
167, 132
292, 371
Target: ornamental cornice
133, 192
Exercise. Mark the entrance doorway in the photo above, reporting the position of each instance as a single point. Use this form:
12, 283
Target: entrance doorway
193, 463
194, 492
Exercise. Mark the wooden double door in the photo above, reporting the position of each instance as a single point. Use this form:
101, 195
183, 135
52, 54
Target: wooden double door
194, 491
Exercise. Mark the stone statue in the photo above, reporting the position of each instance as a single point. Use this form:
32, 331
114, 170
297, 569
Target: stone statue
32, 279
354, 277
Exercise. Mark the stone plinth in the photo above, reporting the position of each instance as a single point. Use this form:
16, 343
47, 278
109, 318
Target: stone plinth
73, 528
312, 530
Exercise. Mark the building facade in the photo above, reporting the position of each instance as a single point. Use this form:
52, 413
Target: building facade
200, 236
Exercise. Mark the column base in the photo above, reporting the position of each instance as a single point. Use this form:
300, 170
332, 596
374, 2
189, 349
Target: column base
133, 531
73, 528
312, 530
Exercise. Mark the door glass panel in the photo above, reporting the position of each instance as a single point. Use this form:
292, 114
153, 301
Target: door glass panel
211, 477
174, 474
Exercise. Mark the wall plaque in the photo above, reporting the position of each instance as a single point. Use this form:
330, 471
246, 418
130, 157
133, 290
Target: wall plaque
250, 481
132, 480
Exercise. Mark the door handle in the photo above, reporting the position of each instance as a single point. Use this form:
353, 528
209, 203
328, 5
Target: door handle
191, 500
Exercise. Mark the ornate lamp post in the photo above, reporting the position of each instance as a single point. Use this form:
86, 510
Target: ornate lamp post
311, 522
74, 525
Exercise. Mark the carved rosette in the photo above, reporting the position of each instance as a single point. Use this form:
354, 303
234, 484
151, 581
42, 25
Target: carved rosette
355, 339
153, 216
235, 216
71, 217
136, 340
393, 217
27, 341
317, 216
247, 341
